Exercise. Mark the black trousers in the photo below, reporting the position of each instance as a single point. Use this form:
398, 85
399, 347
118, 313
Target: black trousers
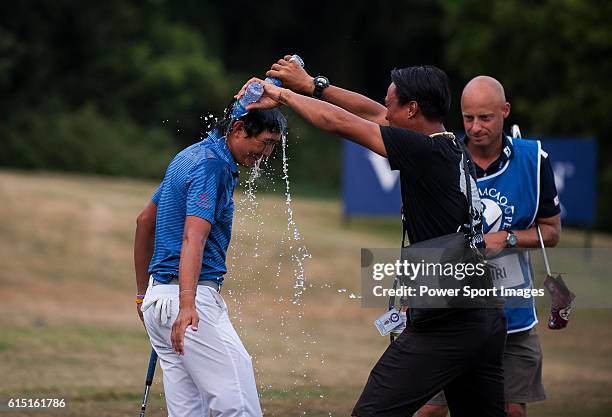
460, 353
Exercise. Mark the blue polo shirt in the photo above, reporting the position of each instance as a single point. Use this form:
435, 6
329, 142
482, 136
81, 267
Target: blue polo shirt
200, 182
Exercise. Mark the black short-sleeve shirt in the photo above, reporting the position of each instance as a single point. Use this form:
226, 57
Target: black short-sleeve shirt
430, 173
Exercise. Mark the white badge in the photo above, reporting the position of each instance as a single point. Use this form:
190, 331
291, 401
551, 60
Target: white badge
506, 271
388, 321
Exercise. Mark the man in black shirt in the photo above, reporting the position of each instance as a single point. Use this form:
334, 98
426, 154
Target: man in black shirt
461, 353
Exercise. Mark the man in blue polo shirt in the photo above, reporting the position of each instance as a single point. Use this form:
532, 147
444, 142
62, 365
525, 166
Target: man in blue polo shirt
180, 246
517, 190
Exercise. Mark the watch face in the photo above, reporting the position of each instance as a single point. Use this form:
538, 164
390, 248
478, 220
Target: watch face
321, 82
512, 240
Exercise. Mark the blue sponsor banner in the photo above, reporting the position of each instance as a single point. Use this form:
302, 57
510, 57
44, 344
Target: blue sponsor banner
370, 188
574, 162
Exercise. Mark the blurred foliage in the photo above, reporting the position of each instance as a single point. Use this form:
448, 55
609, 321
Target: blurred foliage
114, 79
86, 141
116, 87
554, 58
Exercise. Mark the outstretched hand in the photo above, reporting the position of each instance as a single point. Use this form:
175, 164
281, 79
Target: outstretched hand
292, 75
272, 96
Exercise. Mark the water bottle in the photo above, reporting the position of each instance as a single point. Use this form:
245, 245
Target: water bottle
255, 90
253, 93
278, 82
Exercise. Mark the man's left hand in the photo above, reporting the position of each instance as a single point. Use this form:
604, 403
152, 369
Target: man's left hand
187, 315
271, 97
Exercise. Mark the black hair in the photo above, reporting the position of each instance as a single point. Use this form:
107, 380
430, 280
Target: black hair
428, 86
255, 121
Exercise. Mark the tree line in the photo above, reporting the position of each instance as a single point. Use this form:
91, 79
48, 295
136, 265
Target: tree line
116, 87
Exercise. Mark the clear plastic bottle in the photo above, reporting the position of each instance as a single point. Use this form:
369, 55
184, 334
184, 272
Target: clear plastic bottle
255, 90
253, 93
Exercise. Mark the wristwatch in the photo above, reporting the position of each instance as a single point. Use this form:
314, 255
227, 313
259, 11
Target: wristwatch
511, 239
320, 84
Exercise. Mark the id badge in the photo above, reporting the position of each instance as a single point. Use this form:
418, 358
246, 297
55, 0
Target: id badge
388, 321
507, 271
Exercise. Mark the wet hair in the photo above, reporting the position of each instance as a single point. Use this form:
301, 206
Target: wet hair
428, 86
255, 121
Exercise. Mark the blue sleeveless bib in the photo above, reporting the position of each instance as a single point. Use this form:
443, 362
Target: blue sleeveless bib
510, 200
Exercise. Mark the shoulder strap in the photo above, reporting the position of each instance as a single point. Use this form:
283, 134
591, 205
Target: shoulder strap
468, 191
404, 228
468, 184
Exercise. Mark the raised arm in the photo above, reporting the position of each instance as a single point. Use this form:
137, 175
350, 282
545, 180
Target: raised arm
295, 78
325, 116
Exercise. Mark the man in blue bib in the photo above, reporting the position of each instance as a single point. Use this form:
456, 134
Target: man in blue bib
517, 191
180, 248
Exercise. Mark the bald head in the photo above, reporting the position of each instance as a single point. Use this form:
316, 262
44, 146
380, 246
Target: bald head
484, 108
484, 88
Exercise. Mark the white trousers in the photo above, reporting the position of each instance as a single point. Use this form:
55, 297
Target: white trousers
215, 375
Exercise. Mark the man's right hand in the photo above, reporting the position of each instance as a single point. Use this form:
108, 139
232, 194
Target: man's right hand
187, 315
496, 242
292, 75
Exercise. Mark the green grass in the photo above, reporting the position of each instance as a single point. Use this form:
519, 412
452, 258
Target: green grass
68, 327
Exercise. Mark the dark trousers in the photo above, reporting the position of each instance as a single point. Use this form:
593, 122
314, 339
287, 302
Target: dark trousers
460, 353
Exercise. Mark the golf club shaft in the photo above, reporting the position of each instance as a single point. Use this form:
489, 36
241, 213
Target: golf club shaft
543, 249
148, 381
145, 398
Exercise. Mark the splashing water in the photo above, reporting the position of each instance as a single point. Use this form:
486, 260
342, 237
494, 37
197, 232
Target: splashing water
248, 211
249, 266
302, 252
253, 204
253, 175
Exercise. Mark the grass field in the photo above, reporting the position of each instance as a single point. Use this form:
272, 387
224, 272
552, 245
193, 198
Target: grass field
68, 326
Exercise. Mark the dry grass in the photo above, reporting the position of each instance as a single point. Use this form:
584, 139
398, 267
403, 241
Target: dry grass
68, 326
